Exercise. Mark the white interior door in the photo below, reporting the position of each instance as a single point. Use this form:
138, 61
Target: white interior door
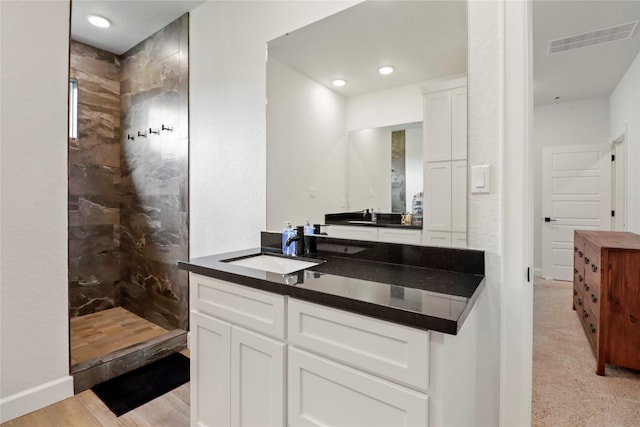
575, 195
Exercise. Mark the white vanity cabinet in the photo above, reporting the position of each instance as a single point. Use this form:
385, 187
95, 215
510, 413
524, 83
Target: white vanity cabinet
237, 372
376, 234
322, 366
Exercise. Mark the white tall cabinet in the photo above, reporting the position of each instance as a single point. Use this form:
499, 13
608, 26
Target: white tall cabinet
445, 168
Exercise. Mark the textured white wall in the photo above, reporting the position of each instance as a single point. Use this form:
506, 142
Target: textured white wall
306, 148
484, 211
34, 320
625, 110
227, 115
578, 122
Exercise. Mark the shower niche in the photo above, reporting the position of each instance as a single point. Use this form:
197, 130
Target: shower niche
128, 205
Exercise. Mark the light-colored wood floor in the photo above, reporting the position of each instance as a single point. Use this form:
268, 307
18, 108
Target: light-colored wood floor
87, 410
97, 334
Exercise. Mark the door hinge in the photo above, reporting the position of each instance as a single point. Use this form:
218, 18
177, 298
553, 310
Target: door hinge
528, 274
613, 213
613, 157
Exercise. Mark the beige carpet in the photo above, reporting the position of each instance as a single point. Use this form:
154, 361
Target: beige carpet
566, 390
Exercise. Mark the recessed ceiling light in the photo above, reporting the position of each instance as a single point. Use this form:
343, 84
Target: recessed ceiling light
385, 70
339, 83
99, 21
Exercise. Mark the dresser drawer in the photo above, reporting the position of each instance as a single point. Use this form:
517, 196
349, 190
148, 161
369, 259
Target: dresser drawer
590, 324
254, 309
395, 352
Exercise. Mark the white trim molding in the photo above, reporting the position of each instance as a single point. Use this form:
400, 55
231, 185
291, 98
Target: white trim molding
35, 398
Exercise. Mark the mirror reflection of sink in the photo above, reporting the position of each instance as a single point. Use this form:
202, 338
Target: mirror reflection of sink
274, 264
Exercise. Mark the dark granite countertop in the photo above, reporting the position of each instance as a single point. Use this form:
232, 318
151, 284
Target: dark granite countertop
408, 290
360, 223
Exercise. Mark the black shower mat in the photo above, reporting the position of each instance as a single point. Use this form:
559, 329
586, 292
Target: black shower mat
135, 388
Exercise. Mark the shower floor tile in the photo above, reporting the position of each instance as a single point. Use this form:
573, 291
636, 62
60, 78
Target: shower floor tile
97, 334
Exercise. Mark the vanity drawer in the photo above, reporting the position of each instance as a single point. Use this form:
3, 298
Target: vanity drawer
392, 351
395, 235
254, 309
353, 232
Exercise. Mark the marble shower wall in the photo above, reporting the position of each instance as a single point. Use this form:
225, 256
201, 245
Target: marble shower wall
154, 177
94, 176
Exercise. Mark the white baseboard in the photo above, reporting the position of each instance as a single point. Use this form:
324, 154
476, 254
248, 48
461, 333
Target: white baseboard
35, 398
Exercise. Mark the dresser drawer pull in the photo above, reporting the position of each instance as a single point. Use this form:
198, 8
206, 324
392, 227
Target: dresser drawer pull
594, 268
579, 302
575, 249
594, 299
575, 292
585, 314
586, 287
586, 260
580, 278
592, 328
575, 271
580, 254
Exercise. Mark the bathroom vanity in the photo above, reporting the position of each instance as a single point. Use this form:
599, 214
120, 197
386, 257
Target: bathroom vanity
363, 333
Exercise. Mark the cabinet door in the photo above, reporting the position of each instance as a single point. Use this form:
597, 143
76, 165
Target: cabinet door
210, 378
459, 196
437, 126
459, 123
437, 196
325, 393
257, 380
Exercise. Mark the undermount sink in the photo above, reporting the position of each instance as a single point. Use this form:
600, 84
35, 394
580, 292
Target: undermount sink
274, 264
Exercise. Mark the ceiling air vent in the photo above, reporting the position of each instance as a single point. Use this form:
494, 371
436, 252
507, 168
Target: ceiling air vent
603, 35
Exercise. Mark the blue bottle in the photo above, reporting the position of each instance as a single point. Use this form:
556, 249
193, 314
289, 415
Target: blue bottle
286, 234
308, 228
308, 231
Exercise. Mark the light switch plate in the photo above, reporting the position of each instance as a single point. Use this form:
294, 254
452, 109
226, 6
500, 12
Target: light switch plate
480, 179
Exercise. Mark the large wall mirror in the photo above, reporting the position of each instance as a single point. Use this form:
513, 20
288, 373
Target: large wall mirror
333, 149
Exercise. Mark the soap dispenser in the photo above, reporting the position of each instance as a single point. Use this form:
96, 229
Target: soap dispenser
286, 234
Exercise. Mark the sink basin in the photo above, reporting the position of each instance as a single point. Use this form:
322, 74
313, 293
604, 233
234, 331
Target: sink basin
274, 264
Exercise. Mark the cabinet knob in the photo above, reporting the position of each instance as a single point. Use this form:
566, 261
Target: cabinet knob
594, 268
585, 314
580, 278
575, 271
594, 299
580, 254
586, 287
592, 328
586, 260
575, 292
579, 302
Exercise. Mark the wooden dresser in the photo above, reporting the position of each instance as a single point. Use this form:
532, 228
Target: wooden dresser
606, 295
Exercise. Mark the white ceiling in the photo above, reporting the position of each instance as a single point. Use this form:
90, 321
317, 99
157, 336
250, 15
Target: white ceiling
587, 72
423, 40
132, 21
